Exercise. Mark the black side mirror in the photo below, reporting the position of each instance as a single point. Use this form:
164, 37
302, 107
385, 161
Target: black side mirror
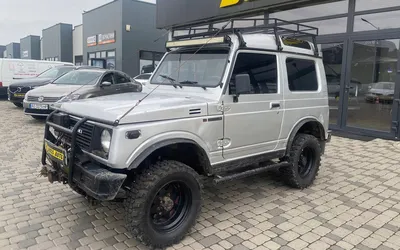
242, 85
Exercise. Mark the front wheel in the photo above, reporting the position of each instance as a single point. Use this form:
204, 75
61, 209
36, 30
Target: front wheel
305, 160
163, 203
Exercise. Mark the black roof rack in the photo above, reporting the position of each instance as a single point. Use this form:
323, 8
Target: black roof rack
275, 26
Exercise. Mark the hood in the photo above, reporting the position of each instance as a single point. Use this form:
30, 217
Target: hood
31, 82
160, 106
56, 90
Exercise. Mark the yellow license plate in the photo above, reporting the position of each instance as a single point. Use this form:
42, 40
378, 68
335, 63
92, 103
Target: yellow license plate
19, 95
54, 152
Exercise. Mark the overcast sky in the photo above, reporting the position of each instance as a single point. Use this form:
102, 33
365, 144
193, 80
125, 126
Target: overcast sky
19, 18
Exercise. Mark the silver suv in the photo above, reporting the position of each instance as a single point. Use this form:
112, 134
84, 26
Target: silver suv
226, 104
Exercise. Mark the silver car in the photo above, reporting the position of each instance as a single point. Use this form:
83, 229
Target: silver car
75, 85
223, 107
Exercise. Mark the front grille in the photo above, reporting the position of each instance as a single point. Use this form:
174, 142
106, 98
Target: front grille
84, 136
16, 89
45, 99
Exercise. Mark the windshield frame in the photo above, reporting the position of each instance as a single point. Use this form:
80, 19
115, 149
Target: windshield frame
75, 71
187, 51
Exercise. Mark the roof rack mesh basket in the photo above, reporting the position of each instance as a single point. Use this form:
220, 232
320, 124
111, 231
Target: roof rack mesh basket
275, 26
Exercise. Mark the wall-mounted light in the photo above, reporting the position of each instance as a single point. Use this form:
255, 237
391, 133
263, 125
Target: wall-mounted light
128, 27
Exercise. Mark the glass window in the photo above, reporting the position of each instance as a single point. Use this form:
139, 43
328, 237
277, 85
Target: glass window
98, 54
377, 21
327, 9
121, 79
333, 58
373, 77
111, 54
55, 72
262, 69
375, 4
330, 26
108, 78
92, 55
103, 54
302, 75
204, 69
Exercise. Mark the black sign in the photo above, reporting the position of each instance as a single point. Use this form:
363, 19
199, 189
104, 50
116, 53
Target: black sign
173, 13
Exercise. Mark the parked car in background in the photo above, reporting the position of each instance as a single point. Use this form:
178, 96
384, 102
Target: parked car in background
17, 90
380, 92
143, 79
77, 84
15, 69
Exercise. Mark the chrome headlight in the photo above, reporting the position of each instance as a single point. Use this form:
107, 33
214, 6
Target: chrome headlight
105, 140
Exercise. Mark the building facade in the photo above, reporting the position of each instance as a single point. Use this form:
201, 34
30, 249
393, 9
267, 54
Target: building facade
57, 43
13, 50
126, 40
30, 47
2, 50
359, 39
77, 44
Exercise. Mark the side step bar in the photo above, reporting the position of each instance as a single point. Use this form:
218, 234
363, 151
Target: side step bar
251, 172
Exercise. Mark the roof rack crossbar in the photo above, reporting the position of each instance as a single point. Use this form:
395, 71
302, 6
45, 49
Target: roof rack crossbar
275, 26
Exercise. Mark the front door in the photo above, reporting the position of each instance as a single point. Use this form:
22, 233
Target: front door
252, 124
372, 86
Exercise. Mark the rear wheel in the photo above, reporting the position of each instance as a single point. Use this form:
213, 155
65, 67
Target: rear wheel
305, 160
163, 203
18, 104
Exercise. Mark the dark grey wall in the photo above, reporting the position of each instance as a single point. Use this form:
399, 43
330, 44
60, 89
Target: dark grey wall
57, 42
180, 12
2, 49
105, 19
31, 44
13, 50
66, 43
142, 18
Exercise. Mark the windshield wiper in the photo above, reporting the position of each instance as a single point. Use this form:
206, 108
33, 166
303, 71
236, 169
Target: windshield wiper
189, 82
168, 78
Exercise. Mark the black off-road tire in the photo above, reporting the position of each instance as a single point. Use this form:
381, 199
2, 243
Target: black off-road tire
291, 174
18, 104
145, 187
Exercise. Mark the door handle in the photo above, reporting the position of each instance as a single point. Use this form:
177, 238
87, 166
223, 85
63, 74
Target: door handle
275, 105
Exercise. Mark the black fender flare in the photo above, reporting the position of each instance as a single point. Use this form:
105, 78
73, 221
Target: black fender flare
149, 150
296, 129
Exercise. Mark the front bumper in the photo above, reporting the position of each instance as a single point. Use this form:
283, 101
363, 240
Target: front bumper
95, 181
72, 166
38, 112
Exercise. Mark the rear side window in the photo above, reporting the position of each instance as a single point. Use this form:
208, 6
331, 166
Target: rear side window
302, 75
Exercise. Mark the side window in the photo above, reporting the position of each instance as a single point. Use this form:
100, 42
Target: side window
121, 78
302, 75
108, 78
262, 69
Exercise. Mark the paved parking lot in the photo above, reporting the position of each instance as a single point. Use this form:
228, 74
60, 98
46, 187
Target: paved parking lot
354, 203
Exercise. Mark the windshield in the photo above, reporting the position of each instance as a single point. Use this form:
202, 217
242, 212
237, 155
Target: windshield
79, 77
383, 85
54, 72
203, 69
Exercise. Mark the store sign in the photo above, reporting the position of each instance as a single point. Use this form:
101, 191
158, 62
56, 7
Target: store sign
25, 54
106, 38
91, 41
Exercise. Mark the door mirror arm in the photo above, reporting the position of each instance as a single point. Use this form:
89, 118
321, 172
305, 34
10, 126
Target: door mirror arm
242, 86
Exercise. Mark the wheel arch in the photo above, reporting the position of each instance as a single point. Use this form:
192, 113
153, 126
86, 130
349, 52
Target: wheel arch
200, 164
308, 126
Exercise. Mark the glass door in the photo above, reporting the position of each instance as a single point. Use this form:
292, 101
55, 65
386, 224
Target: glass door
371, 88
